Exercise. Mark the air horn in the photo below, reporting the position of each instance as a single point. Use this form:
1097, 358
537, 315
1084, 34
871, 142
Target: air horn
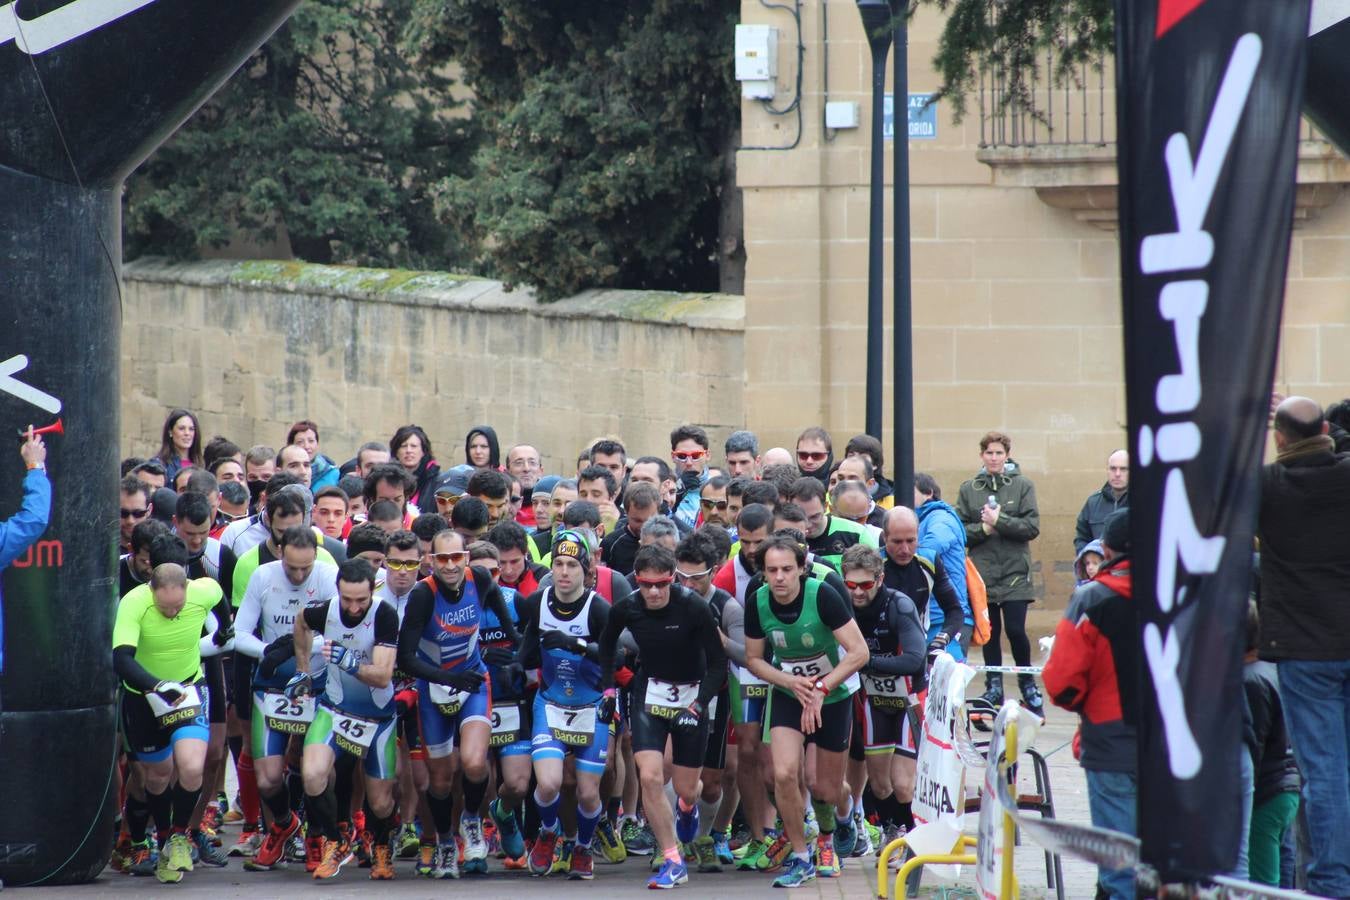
54, 428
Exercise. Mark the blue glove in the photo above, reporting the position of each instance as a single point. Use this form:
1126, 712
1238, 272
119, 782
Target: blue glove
300, 685
344, 659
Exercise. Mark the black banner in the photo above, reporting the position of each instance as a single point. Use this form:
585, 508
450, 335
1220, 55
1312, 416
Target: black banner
1208, 106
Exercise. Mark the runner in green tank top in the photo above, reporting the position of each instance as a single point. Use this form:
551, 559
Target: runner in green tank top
817, 649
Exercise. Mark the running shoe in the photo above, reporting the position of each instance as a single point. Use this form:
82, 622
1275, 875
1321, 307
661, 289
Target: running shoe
607, 844
295, 847
513, 843
273, 846
1031, 696
140, 861
346, 843
207, 853
426, 861
637, 838
541, 855
705, 852
223, 804
722, 847
180, 852
740, 837
582, 866
313, 852
753, 851
562, 857
233, 812
165, 871
447, 861
776, 854
407, 842
671, 875
381, 866
250, 839
845, 837
121, 853
331, 862
519, 864
897, 858
796, 872
210, 820
475, 848
828, 862
812, 825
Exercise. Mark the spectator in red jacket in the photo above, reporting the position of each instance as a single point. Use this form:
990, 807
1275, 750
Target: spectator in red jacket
1094, 671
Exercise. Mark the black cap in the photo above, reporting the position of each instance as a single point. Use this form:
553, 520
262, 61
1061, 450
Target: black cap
1116, 534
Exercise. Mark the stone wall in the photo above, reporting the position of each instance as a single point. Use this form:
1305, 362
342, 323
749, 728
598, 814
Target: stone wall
1016, 304
253, 346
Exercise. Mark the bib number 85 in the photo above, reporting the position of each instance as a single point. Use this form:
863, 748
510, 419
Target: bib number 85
807, 669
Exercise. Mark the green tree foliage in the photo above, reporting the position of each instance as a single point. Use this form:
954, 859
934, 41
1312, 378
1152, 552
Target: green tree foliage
332, 128
607, 128
1011, 37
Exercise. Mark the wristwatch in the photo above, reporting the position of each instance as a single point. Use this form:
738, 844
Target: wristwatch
820, 686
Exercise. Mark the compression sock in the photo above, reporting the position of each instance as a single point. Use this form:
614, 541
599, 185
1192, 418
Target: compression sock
548, 812
279, 805
442, 813
321, 810
906, 815
236, 745
184, 803
474, 792
137, 817
379, 827
344, 770
587, 822
613, 809
824, 816
249, 801
686, 822
161, 810
707, 812
295, 788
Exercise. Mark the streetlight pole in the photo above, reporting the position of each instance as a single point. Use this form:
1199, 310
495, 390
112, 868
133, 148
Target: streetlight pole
876, 19
902, 379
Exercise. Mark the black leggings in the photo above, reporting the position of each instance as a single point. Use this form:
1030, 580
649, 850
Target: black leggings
1010, 616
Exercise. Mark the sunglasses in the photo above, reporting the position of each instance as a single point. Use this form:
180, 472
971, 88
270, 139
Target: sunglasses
402, 565
134, 513
454, 557
812, 455
690, 456
860, 585
692, 576
494, 571
719, 505
655, 582
517, 499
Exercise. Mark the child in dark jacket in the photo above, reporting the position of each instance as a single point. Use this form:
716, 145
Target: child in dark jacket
1277, 778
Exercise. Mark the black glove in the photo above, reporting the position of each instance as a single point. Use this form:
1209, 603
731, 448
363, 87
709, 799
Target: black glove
607, 706
468, 681
689, 717
276, 653
501, 657
223, 635
689, 480
170, 691
300, 685
558, 640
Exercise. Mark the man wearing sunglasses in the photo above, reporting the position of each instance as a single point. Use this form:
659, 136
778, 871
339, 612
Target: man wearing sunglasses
682, 667
135, 507
571, 715
439, 644
689, 452
815, 454
402, 559
713, 503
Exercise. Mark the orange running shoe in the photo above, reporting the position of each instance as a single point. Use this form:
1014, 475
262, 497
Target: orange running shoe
381, 866
331, 862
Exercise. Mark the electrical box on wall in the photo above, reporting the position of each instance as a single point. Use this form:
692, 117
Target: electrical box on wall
757, 61
841, 114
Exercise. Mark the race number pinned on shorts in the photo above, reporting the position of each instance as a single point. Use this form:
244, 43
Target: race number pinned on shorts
353, 734
506, 724
810, 667
886, 691
446, 700
752, 686
571, 725
188, 707
667, 699
939, 792
287, 716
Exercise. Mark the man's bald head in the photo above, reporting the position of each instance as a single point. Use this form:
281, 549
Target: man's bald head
902, 535
1297, 419
778, 456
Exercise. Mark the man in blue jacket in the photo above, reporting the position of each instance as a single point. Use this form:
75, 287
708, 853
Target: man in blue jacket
19, 532
943, 536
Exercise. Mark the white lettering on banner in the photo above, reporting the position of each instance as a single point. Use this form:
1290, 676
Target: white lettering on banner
940, 774
15, 364
61, 25
1183, 303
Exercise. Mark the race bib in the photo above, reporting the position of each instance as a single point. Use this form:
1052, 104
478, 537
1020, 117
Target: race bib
285, 715
354, 734
667, 699
886, 691
506, 722
811, 667
571, 725
446, 699
188, 707
752, 686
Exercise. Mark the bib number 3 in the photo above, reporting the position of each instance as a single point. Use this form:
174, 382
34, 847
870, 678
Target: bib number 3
665, 699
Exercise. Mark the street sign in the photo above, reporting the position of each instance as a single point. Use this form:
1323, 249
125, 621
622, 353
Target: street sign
922, 118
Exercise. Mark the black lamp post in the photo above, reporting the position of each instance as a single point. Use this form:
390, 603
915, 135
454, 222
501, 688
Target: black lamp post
902, 378
876, 19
